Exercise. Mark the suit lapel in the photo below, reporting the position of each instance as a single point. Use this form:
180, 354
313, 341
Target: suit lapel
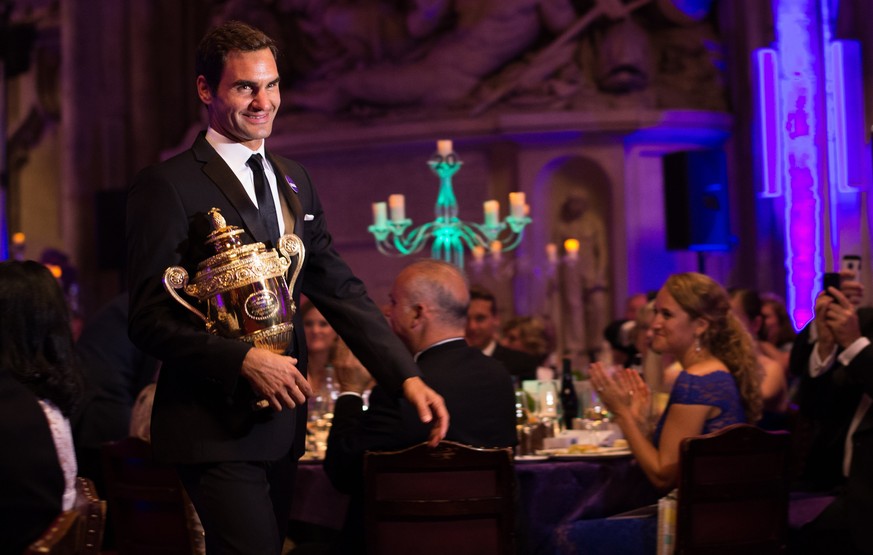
218, 171
284, 181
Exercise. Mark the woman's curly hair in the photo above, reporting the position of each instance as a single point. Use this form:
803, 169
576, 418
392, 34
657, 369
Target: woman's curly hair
36, 342
725, 337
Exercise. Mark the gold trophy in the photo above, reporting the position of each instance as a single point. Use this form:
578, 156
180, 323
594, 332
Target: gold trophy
243, 287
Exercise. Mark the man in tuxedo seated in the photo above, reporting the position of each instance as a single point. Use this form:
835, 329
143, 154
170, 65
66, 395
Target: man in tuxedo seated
428, 311
836, 389
481, 333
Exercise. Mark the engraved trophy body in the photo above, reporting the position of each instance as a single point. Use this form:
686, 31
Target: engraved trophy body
243, 287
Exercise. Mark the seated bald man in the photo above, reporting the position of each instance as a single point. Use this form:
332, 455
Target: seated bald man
428, 311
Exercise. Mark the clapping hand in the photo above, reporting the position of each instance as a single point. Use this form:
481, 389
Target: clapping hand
626, 395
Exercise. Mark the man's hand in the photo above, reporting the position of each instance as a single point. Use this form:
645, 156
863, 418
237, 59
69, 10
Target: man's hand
826, 341
430, 406
275, 378
842, 319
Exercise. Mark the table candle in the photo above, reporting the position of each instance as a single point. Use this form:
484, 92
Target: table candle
444, 147
492, 209
397, 204
380, 214
516, 205
571, 247
552, 253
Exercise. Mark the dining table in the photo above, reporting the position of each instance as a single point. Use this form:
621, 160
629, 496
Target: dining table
551, 491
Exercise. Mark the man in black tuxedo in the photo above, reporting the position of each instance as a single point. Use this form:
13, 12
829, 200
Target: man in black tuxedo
428, 311
840, 397
481, 332
237, 463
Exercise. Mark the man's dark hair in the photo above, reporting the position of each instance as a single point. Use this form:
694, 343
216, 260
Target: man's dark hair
479, 293
233, 36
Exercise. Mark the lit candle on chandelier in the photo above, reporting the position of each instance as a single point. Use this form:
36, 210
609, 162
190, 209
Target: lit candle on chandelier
397, 205
571, 247
496, 250
380, 214
492, 210
552, 253
517, 205
478, 254
444, 147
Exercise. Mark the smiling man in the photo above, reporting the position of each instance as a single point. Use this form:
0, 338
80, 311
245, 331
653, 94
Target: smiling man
236, 463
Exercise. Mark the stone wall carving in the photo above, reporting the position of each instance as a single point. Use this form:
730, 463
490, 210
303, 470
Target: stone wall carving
432, 58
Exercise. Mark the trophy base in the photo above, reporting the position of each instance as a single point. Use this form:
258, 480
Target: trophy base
275, 338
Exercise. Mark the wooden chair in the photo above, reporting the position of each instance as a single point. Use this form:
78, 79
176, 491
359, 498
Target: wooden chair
147, 503
733, 492
449, 499
78, 531
62, 537
92, 509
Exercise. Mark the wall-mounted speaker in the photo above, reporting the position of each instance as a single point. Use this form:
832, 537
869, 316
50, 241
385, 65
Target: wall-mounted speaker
696, 201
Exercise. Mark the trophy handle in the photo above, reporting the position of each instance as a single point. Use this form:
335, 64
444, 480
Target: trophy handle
291, 245
175, 277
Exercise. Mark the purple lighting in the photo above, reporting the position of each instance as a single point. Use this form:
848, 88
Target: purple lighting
801, 169
846, 135
769, 137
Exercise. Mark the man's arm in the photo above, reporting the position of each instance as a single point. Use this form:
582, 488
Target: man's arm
342, 298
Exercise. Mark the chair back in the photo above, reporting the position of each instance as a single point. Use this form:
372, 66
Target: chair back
147, 502
450, 499
733, 492
92, 509
62, 537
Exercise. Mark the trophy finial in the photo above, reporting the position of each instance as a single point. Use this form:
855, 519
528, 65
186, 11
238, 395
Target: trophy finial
217, 220
223, 236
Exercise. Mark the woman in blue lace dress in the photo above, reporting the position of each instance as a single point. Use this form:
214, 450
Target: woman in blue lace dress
719, 384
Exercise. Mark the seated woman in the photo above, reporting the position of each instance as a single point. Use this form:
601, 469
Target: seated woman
719, 383
39, 387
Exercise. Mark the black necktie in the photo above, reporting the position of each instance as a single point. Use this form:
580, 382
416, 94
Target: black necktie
266, 206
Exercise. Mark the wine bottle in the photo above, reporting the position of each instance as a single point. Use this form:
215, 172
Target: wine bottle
569, 399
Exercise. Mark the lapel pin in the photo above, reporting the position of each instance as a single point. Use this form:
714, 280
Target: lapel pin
291, 183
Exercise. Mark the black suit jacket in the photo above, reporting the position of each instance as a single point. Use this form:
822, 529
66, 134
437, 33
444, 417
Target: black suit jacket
478, 393
855, 503
33, 482
202, 409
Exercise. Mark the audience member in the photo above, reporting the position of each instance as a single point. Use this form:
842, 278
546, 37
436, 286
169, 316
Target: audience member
719, 384
826, 399
39, 388
528, 334
777, 333
844, 525
746, 305
481, 333
834, 361
429, 301
115, 372
321, 344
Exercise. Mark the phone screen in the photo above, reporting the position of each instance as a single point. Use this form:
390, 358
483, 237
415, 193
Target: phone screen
831, 279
